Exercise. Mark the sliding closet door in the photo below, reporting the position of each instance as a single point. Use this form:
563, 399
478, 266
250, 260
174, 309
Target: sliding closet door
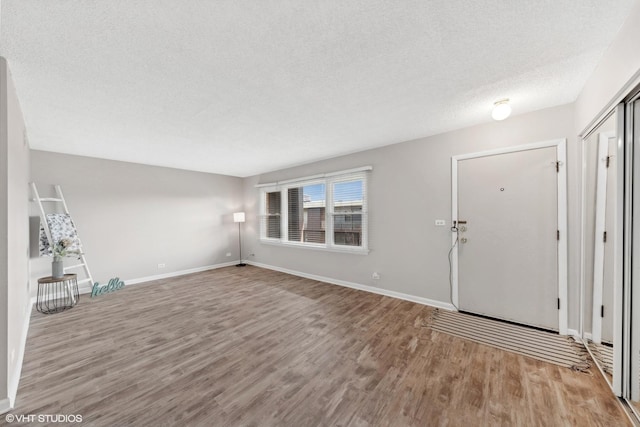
633, 133
603, 192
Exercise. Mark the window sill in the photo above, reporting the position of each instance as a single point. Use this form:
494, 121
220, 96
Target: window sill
345, 250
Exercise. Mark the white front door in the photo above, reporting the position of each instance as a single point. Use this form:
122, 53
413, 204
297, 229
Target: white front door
507, 251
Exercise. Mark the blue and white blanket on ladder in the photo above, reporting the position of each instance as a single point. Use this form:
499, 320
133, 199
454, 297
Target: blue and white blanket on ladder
62, 227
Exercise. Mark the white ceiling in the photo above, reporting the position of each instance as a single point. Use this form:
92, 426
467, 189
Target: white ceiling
243, 87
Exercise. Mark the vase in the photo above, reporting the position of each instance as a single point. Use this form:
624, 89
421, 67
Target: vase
57, 269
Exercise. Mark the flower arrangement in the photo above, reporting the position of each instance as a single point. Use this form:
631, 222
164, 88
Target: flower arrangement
62, 248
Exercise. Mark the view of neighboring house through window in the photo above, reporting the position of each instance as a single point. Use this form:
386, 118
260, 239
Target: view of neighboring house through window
306, 207
328, 212
347, 213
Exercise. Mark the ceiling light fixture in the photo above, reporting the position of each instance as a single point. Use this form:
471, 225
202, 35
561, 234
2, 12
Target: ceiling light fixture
501, 109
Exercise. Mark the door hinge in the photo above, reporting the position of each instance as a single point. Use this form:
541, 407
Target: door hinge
557, 234
604, 236
558, 303
558, 166
602, 311
608, 161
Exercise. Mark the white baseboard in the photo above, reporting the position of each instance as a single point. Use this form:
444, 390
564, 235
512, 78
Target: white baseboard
588, 336
86, 289
5, 405
374, 290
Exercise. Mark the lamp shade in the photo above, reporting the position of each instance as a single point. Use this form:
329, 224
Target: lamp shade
238, 217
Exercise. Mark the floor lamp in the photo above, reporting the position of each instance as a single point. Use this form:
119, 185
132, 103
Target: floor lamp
239, 218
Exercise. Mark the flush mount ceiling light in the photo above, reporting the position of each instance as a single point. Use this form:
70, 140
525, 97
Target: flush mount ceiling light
501, 109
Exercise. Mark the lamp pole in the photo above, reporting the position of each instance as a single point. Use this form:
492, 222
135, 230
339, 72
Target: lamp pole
242, 264
239, 217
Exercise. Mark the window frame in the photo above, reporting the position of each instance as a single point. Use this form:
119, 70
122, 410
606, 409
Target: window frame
329, 180
263, 213
284, 218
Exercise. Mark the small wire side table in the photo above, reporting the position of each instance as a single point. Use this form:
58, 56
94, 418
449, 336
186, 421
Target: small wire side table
57, 294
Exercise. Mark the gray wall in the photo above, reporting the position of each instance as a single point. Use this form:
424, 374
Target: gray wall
133, 217
615, 75
14, 265
410, 187
619, 66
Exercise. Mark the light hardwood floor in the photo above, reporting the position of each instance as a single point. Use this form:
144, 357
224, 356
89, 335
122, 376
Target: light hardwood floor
254, 347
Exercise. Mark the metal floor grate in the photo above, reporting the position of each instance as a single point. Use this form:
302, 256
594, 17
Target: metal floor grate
541, 345
603, 354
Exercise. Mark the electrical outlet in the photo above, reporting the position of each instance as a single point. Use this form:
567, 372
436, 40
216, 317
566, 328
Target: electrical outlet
228, 253
161, 265
440, 222
375, 276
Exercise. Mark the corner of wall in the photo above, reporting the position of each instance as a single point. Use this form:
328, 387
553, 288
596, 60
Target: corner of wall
4, 282
14, 259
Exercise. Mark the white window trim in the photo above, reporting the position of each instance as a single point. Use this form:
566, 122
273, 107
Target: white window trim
355, 250
318, 176
328, 179
262, 209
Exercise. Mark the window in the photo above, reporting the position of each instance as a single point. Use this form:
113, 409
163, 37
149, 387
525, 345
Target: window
348, 199
323, 212
305, 208
271, 218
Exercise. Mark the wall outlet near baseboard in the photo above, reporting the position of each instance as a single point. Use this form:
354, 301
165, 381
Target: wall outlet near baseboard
440, 222
161, 265
375, 276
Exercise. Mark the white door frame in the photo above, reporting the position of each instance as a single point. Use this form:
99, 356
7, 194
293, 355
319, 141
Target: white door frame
600, 219
561, 152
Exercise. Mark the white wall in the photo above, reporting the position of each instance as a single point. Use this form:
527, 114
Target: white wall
133, 217
14, 265
410, 187
619, 66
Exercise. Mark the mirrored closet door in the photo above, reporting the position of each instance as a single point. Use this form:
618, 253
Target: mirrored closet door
611, 248
603, 168
633, 295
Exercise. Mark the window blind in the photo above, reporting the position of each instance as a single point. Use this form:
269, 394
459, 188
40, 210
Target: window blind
326, 211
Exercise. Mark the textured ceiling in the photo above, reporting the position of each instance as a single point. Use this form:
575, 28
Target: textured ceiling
242, 87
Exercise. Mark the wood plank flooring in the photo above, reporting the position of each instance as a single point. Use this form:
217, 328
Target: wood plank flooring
254, 347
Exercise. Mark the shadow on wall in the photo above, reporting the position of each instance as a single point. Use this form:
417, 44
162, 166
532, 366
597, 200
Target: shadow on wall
34, 237
39, 266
